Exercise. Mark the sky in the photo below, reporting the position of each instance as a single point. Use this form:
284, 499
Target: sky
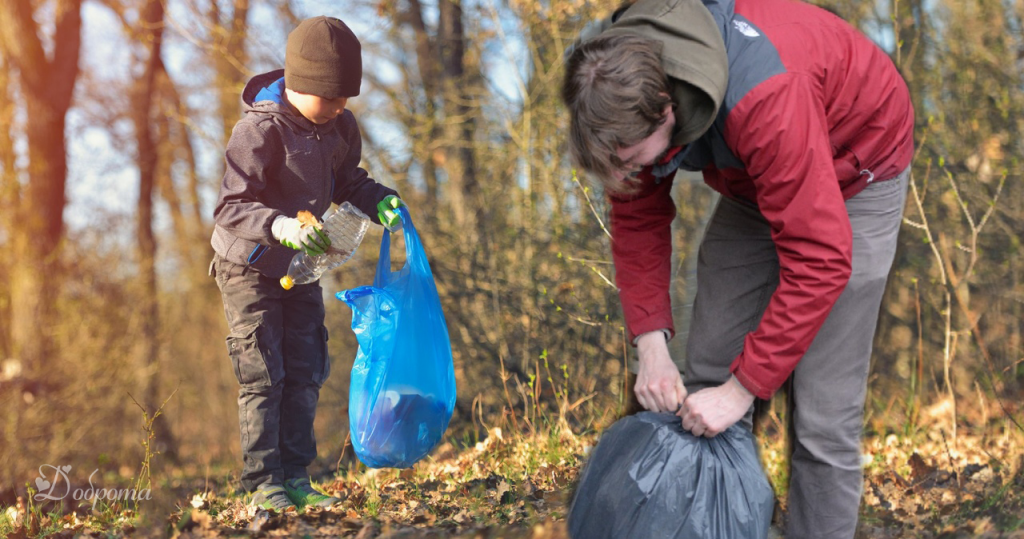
102, 181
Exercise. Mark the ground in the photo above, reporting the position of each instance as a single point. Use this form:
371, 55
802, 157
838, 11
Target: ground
519, 486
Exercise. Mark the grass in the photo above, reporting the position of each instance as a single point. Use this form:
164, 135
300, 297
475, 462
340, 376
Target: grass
110, 512
501, 480
32, 520
506, 478
519, 481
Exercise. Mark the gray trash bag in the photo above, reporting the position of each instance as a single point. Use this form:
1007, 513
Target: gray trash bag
648, 478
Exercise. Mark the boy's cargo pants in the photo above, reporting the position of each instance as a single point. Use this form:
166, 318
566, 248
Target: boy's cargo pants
278, 350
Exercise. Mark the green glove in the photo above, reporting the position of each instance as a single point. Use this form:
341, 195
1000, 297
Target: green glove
386, 212
291, 233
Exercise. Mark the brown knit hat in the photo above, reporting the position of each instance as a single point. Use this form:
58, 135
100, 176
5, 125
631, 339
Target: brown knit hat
323, 58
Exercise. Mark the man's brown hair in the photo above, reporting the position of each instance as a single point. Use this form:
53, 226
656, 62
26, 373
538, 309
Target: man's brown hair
616, 92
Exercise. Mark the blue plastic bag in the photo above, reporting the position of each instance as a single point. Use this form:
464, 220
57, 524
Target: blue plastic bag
402, 391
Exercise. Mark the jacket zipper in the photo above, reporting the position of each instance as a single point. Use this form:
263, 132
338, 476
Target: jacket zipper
330, 188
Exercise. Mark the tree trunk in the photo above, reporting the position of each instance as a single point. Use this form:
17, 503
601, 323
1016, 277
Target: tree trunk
427, 64
229, 61
145, 94
458, 115
46, 86
9, 196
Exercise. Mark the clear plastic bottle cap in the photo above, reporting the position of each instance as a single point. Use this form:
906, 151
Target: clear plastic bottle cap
287, 282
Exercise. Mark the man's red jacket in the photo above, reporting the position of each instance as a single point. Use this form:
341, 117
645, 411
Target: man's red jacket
812, 112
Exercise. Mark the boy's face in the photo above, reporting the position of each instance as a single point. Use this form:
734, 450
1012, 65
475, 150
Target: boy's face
649, 150
316, 109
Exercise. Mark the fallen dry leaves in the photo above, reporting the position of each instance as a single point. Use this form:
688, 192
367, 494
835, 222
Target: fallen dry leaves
513, 487
499, 488
937, 486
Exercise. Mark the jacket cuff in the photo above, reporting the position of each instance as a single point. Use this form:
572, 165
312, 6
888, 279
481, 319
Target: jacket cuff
749, 383
664, 331
272, 228
748, 392
655, 322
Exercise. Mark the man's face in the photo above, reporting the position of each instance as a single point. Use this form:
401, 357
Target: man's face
649, 150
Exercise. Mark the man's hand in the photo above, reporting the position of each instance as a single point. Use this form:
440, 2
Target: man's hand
386, 211
710, 411
291, 233
659, 387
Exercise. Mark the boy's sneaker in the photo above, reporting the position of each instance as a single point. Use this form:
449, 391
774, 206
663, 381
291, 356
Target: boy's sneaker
272, 497
304, 495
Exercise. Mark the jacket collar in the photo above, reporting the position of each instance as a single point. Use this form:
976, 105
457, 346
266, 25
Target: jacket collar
265, 93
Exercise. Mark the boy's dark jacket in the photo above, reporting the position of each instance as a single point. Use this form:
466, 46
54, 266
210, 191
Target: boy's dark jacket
278, 163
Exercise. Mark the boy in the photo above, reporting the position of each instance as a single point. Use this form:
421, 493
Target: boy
296, 148
806, 128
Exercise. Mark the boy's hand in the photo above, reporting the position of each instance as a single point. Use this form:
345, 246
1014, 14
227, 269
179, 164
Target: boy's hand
386, 211
291, 233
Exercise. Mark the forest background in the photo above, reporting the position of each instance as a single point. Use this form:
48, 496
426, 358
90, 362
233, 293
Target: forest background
114, 115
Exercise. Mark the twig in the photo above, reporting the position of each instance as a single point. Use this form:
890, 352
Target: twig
984, 407
504, 384
586, 196
147, 459
581, 400
589, 264
944, 279
1013, 365
919, 383
601, 275
1008, 414
590, 323
956, 469
625, 373
344, 447
586, 261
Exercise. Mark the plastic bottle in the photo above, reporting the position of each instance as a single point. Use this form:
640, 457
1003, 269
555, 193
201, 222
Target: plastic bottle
345, 228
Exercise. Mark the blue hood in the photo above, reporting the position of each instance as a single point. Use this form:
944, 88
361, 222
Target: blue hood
273, 92
265, 93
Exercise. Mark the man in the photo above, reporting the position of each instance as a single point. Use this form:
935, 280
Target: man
806, 128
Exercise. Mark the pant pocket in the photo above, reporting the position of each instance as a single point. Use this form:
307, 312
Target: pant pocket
248, 358
321, 372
